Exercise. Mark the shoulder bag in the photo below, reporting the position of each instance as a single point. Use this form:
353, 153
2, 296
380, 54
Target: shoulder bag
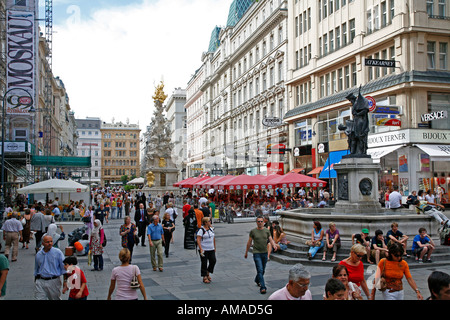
134, 280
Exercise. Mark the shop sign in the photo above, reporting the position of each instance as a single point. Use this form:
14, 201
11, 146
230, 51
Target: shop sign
436, 115
408, 136
379, 63
387, 110
389, 122
272, 122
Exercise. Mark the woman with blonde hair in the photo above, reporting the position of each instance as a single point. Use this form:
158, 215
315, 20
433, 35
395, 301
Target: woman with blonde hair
122, 276
355, 267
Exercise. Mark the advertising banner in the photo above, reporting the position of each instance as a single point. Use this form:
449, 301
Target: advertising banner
21, 54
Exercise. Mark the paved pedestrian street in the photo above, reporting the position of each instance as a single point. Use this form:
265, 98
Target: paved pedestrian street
233, 278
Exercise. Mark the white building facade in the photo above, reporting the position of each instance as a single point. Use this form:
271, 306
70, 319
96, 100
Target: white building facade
90, 145
244, 82
398, 53
176, 116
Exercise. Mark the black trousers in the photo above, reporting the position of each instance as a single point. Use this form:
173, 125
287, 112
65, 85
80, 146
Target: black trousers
167, 238
142, 227
209, 256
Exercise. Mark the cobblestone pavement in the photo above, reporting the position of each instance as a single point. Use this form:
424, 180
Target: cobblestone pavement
233, 278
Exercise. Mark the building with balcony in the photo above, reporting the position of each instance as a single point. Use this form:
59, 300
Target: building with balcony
396, 53
90, 145
244, 72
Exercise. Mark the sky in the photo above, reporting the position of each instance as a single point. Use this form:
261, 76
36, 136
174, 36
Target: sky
111, 54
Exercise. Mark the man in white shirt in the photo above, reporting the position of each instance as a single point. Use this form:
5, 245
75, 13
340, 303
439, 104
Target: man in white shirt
297, 287
395, 199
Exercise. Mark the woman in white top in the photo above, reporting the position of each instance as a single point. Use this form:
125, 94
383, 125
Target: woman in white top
122, 276
430, 196
317, 240
207, 248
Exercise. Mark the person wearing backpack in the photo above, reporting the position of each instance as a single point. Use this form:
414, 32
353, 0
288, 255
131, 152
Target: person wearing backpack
206, 243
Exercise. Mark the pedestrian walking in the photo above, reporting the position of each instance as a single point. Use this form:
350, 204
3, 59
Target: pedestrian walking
168, 227
38, 224
128, 231
26, 232
96, 245
88, 219
122, 276
48, 269
75, 280
155, 234
393, 268
140, 218
207, 248
4, 269
12, 234
190, 230
101, 214
355, 267
259, 237
51, 231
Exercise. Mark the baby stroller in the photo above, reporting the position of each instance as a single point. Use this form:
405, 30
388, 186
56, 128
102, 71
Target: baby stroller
76, 235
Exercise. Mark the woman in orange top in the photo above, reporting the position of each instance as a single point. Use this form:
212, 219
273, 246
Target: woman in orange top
394, 269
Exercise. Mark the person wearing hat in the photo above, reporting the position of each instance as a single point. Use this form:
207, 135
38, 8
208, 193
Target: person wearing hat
364, 240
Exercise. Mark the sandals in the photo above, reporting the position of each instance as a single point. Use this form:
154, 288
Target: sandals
206, 280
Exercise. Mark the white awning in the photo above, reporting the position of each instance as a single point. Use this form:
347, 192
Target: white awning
437, 152
377, 153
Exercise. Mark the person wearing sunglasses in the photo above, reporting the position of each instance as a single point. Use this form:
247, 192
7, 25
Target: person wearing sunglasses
355, 267
394, 268
297, 287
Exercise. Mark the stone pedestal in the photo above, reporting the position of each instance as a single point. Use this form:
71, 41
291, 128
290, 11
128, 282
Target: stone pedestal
357, 186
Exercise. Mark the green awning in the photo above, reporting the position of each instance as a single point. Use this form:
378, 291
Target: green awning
58, 161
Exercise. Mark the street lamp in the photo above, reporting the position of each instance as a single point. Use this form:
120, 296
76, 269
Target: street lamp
18, 101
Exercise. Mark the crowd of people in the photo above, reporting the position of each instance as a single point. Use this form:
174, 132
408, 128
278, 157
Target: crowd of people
154, 222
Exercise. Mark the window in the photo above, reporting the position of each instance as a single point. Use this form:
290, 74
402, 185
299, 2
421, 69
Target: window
325, 44
352, 30
383, 14
430, 7
280, 71
337, 32
347, 77
331, 41
431, 50
296, 27
344, 34
443, 55
297, 60
354, 77
441, 8
369, 21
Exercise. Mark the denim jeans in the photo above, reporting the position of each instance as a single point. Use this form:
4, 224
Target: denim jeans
260, 260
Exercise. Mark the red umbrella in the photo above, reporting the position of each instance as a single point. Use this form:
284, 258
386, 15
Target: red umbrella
264, 182
191, 183
290, 180
180, 183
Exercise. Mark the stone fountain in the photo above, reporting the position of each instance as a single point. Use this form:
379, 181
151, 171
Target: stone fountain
357, 204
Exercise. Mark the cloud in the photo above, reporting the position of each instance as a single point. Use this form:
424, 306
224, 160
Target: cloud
111, 59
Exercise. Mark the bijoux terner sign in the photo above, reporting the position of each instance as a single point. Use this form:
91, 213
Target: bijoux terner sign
408, 136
